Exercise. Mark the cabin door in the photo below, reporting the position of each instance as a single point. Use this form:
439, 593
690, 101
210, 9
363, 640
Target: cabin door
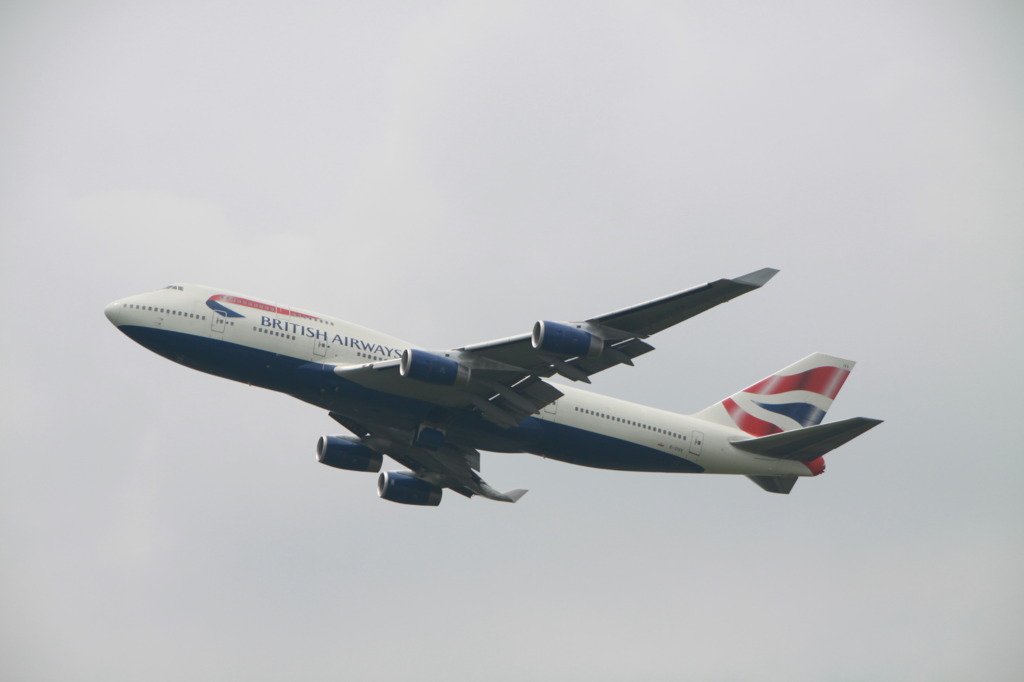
320, 346
696, 442
218, 321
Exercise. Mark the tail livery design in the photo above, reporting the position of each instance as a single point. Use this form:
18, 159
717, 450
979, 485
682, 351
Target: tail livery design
783, 415
793, 398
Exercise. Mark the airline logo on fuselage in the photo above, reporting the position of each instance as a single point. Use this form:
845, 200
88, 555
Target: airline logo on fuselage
215, 304
289, 326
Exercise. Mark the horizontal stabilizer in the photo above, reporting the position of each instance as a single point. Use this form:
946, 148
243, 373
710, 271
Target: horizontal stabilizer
775, 484
808, 444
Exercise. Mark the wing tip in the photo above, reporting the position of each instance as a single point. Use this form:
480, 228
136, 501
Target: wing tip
515, 495
490, 493
757, 278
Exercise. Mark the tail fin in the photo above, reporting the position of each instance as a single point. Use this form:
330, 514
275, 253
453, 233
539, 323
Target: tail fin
792, 398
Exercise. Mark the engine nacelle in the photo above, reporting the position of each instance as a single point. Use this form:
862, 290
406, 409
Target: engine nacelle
347, 452
565, 339
404, 488
432, 369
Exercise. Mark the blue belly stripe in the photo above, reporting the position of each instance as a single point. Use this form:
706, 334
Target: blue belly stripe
314, 383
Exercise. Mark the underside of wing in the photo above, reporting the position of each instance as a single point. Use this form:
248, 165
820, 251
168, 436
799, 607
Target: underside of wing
504, 397
446, 466
653, 316
577, 350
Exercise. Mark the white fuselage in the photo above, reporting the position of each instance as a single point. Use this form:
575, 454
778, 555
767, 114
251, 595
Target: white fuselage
276, 346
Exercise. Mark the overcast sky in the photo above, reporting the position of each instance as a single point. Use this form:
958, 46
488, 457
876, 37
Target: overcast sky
450, 172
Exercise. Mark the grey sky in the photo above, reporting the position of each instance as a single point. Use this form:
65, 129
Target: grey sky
450, 172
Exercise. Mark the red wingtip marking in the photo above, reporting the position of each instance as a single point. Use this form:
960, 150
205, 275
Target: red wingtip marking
817, 466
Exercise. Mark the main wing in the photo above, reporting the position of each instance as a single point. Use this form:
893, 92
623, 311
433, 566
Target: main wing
503, 379
613, 338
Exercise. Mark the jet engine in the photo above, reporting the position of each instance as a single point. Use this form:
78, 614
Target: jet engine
432, 369
347, 452
405, 488
565, 339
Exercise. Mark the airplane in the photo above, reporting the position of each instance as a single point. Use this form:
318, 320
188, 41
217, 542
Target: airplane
433, 411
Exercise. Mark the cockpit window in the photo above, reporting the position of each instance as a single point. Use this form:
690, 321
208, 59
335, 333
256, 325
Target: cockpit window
175, 287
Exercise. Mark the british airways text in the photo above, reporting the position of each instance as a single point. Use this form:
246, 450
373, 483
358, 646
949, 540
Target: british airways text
348, 341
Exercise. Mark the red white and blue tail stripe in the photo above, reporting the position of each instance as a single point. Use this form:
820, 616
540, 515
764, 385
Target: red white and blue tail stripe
792, 398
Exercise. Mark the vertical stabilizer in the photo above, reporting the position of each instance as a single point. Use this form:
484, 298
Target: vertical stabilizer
792, 398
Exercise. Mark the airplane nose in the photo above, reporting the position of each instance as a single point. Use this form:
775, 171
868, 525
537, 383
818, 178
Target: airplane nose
113, 312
